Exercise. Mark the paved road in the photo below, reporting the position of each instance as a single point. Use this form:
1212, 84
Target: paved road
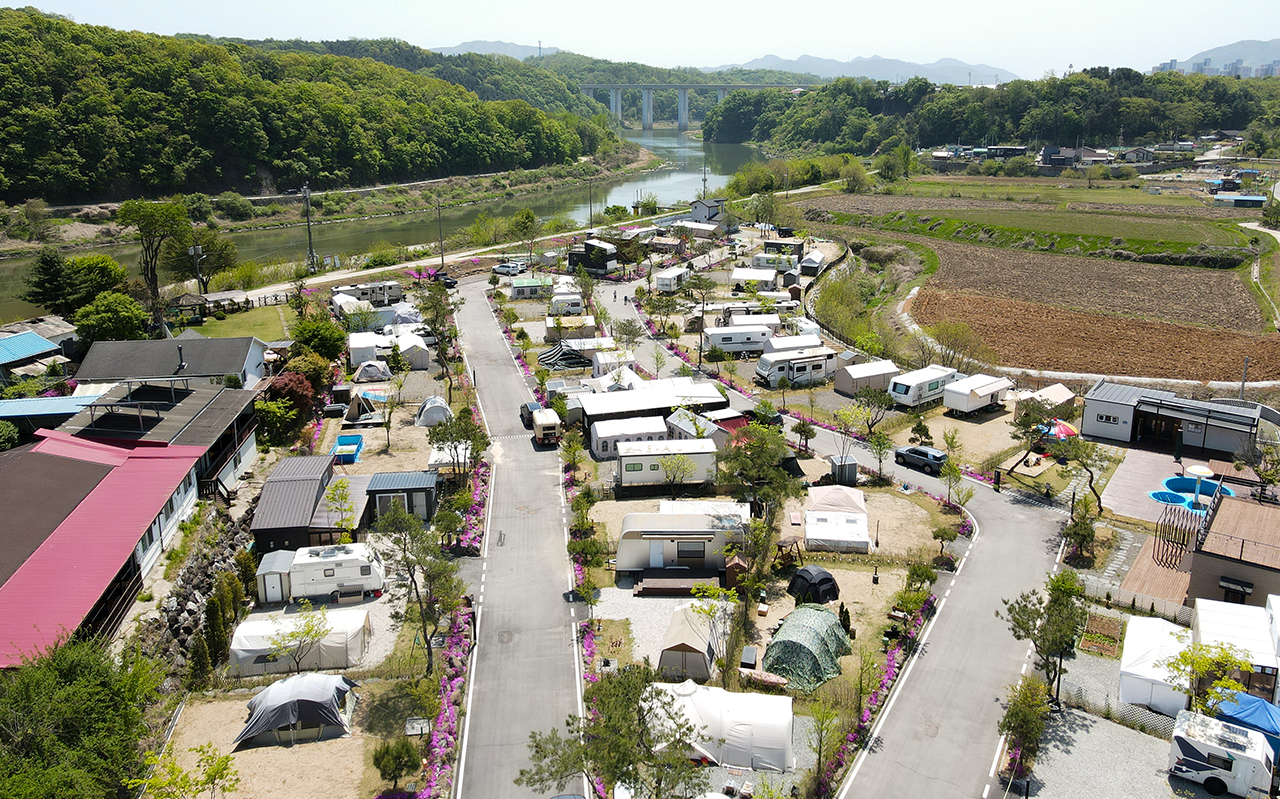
525, 676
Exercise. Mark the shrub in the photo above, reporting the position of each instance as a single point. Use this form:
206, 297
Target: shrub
8, 435
235, 207
221, 316
311, 366
321, 336
589, 552
294, 389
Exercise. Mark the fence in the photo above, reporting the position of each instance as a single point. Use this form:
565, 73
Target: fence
168, 736
1120, 598
1134, 716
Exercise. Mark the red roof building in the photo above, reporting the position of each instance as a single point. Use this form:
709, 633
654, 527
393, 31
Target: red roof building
84, 519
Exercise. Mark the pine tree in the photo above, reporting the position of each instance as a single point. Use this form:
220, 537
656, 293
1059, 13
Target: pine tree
199, 666
49, 282
846, 621
215, 631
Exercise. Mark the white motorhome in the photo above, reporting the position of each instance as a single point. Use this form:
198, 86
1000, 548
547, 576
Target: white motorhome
379, 294
566, 305
784, 343
922, 385
769, 320
775, 260
640, 462
341, 569
976, 392
669, 281
800, 367
546, 426
742, 338
1225, 758
779, 307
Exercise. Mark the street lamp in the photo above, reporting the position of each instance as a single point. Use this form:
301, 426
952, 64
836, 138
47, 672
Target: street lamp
311, 253
197, 255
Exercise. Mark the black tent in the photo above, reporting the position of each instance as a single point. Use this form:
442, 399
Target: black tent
813, 584
302, 701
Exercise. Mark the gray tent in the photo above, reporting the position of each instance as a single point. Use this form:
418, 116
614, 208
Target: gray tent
432, 412
687, 651
309, 702
807, 648
371, 372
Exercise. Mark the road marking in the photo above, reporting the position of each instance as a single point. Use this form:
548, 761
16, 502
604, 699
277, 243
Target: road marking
960, 567
574, 614
482, 576
1024, 668
953, 582
944, 596
471, 690
482, 589
941, 602
1061, 548
995, 761
985, 790
1029, 650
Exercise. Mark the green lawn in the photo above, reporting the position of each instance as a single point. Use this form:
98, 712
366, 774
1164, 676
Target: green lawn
1082, 223
261, 322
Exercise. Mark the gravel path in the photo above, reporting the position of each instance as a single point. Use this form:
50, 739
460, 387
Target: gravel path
649, 616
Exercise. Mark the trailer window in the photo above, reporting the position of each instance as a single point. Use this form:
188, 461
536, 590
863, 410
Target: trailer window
692, 549
1219, 762
933, 386
365, 571
634, 467
726, 339
653, 467
328, 572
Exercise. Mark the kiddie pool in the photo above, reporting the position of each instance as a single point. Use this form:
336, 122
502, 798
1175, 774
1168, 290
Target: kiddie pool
1180, 490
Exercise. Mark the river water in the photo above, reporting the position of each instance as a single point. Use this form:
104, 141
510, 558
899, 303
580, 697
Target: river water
682, 180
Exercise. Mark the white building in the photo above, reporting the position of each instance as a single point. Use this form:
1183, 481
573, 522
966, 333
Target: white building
606, 435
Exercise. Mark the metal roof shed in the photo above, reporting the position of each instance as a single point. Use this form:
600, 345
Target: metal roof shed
417, 490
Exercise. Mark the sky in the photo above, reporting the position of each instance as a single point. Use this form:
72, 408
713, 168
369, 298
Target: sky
1018, 38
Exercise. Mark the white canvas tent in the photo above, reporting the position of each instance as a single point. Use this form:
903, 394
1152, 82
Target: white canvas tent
414, 350
371, 372
841, 499
1245, 626
432, 412
835, 520
687, 652
364, 346
1142, 682
751, 731
349, 633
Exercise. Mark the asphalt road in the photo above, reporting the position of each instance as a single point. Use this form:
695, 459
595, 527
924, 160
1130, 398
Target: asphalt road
525, 674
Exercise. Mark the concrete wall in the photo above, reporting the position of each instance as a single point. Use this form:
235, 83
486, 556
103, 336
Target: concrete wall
1091, 426
1207, 569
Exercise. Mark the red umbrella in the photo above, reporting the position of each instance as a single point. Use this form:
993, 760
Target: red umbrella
1062, 430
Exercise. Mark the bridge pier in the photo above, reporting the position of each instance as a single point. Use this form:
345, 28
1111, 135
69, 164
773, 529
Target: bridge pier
646, 108
615, 102
721, 94
682, 106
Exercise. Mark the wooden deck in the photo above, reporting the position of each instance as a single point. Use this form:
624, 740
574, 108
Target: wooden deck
1161, 571
674, 582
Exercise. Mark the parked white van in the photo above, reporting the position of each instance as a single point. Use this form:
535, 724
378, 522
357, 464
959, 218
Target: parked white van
340, 569
800, 367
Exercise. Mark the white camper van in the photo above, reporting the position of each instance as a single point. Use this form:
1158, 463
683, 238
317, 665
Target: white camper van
1223, 757
800, 367
669, 281
922, 385
335, 570
779, 307
742, 338
566, 304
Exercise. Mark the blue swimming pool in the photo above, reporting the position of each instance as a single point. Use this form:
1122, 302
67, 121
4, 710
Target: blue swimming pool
1179, 491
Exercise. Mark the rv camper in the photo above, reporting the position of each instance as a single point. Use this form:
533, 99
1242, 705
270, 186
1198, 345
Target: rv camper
975, 393
380, 294
337, 570
776, 261
800, 367
799, 326
784, 343
546, 426
779, 307
923, 385
566, 304
742, 338
640, 462
669, 281
1223, 757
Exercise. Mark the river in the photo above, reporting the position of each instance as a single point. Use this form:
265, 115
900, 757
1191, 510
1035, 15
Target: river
682, 180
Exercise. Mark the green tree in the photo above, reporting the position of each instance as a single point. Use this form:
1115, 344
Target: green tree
881, 446
438, 308
111, 317
460, 437
321, 336
1024, 717
218, 254
214, 773
276, 418
784, 385
338, 502
875, 405
48, 282
8, 435
703, 288
215, 629
676, 470
571, 449
1051, 622
235, 207
526, 227
951, 477
395, 759
422, 572
1088, 455
855, 177
944, 535
920, 433
198, 667
156, 223
1207, 673
1028, 426
1079, 531
306, 629
632, 736
752, 465
805, 431
628, 333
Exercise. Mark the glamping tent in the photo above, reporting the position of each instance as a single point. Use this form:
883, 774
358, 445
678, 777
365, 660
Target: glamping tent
1256, 714
687, 652
364, 346
432, 412
305, 705
742, 730
349, 633
835, 520
1142, 682
371, 372
813, 584
807, 647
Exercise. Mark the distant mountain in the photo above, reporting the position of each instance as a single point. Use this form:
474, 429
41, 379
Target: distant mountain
519, 51
946, 70
1255, 53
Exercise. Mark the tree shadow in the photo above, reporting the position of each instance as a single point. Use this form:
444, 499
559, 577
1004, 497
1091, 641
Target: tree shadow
1062, 728
385, 713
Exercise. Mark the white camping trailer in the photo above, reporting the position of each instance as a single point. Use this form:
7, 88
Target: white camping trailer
801, 367
779, 306
769, 320
341, 569
783, 343
640, 462
922, 385
799, 326
566, 304
379, 294
1223, 757
774, 260
975, 392
743, 338
669, 281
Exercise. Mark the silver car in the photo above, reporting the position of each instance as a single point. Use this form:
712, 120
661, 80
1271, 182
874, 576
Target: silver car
927, 459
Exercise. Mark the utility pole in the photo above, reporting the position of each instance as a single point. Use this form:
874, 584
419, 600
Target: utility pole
311, 252
197, 255
440, 227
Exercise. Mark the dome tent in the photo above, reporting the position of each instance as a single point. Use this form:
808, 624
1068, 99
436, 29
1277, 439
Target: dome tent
432, 412
807, 648
371, 372
813, 584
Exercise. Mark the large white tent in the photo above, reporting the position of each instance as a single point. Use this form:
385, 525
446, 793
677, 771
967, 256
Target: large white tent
835, 520
1245, 626
349, 634
1142, 681
750, 731
432, 412
414, 350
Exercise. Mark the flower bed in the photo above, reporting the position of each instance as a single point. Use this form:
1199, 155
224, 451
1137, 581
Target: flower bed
895, 658
473, 520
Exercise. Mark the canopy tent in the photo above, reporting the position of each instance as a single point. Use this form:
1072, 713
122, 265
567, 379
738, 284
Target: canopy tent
301, 702
1245, 626
813, 584
841, 499
1142, 682
432, 412
687, 652
1256, 714
742, 730
251, 646
371, 372
807, 648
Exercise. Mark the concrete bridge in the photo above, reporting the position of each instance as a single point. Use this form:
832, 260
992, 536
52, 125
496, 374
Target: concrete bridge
682, 93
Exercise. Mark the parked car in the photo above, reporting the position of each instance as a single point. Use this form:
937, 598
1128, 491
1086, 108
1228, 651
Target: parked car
507, 269
526, 413
927, 459
448, 280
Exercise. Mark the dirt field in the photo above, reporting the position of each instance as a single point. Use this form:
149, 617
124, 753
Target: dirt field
981, 435
868, 604
881, 204
1189, 295
1035, 336
267, 772
1202, 212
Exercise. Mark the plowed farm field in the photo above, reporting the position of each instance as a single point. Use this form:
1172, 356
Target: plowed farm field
1039, 336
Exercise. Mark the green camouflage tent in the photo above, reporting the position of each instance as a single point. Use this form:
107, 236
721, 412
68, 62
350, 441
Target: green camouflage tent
807, 648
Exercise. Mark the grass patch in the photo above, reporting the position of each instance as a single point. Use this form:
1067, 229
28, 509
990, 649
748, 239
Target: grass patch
614, 641
263, 322
1081, 223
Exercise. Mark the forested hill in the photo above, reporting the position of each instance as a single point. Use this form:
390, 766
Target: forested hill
491, 77
1099, 105
92, 113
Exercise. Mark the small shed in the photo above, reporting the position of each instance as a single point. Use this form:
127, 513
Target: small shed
872, 374
814, 584
371, 372
687, 652
807, 648
415, 491
273, 576
432, 412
